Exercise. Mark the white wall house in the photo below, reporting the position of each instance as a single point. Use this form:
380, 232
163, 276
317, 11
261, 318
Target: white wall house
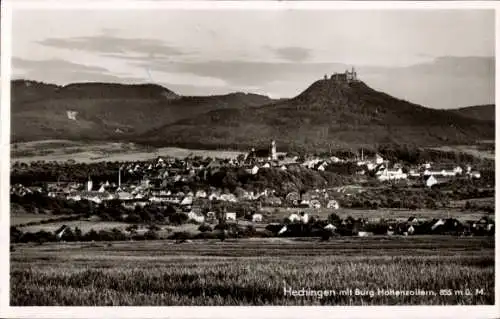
378, 159
315, 204
195, 217
431, 181
201, 194
475, 174
228, 198
388, 175
254, 170
231, 216
304, 218
75, 197
414, 173
124, 196
214, 196
187, 201
371, 166
333, 204
257, 218
294, 218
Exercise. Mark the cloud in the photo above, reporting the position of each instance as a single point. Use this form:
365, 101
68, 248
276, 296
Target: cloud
63, 72
53, 65
446, 82
108, 43
244, 73
294, 54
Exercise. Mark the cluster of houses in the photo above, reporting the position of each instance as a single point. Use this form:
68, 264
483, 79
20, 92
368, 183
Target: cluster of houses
295, 226
430, 174
155, 175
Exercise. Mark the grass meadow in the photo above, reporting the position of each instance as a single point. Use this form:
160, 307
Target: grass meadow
253, 272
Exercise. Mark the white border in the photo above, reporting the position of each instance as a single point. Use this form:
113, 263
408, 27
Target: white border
247, 5
207, 312
5, 74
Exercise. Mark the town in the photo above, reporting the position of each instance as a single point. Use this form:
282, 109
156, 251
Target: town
273, 191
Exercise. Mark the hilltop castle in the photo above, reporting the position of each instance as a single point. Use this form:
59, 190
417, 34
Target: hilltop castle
346, 77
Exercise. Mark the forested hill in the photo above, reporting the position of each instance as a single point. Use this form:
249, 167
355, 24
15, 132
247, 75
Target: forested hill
107, 111
327, 114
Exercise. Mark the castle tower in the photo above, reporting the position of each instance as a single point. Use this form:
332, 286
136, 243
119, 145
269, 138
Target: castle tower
273, 151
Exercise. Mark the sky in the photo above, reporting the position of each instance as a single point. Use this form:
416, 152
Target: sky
436, 58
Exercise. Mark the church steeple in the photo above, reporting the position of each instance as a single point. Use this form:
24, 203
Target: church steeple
273, 151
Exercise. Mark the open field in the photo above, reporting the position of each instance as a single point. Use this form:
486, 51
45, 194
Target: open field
84, 225
253, 272
376, 214
89, 152
63, 150
271, 214
24, 218
474, 150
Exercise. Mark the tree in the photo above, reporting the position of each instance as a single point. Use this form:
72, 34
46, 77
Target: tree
153, 227
468, 205
326, 234
91, 235
205, 228
170, 210
241, 158
178, 218
334, 219
145, 216
15, 234
151, 235
132, 228
133, 218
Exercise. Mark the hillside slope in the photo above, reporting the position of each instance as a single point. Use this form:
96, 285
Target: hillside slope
479, 112
106, 111
327, 114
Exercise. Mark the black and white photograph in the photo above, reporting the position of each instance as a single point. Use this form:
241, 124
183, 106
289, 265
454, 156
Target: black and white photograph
258, 154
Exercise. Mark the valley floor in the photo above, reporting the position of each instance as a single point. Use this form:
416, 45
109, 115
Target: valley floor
64, 150
448, 269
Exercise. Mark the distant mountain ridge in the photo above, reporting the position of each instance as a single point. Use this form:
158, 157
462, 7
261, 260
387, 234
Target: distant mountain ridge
327, 114
480, 112
106, 110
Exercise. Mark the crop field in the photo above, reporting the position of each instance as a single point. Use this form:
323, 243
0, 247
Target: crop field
448, 270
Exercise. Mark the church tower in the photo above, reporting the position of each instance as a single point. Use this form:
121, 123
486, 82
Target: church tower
273, 151
89, 185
